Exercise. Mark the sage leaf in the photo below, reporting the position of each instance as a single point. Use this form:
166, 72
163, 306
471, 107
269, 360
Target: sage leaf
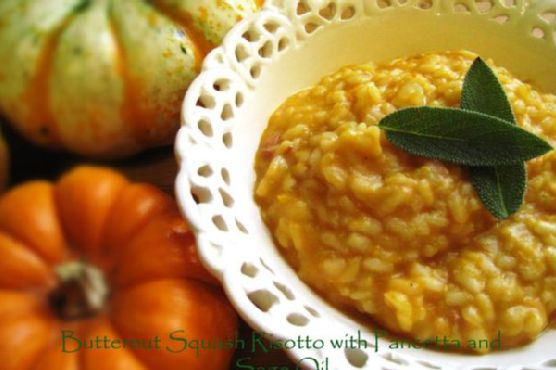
461, 137
502, 188
482, 92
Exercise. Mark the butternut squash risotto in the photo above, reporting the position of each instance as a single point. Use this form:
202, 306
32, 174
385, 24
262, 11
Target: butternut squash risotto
401, 238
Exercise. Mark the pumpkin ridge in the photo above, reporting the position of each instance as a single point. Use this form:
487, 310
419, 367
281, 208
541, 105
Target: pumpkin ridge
121, 358
213, 287
153, 279
202, 45
21, 39
83, 175
177, 245
130, 114
29, 304
118, 334
24, 257
29, 246
157, 80
27, 242
103, 227
47, 342
186, 287
55, 345
37, 93
87, 88
159, 205
81, 364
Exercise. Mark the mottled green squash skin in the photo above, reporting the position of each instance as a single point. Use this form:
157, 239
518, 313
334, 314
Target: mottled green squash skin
105, 78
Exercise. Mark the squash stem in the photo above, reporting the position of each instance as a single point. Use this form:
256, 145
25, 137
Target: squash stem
82, 291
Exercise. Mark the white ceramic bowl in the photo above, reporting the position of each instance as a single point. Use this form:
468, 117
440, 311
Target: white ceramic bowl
289, 46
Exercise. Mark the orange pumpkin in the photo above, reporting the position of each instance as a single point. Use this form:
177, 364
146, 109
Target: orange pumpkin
93, 256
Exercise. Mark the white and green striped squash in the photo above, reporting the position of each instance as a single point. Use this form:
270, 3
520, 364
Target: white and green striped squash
105, 78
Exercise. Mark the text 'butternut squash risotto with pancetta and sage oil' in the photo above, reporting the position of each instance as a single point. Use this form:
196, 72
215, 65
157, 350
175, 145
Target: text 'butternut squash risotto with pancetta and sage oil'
403, 238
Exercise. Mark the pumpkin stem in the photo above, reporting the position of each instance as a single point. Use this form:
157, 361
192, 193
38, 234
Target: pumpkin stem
81, 293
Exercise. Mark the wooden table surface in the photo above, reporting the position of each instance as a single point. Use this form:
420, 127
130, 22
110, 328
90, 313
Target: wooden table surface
156, 166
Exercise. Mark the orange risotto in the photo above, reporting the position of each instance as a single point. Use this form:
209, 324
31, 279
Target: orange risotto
401, 238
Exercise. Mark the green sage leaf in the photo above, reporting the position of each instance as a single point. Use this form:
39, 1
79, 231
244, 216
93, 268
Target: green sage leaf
482, 92
502, 188
461, 137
